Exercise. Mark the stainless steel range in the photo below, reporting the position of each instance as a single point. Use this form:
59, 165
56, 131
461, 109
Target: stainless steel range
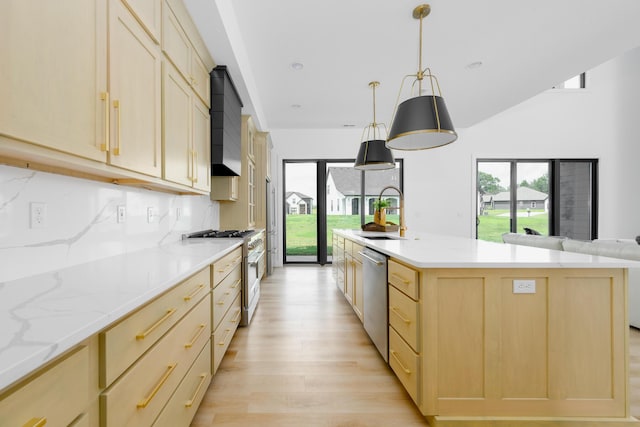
253, 255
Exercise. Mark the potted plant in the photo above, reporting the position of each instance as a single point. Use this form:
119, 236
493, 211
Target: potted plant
380, 213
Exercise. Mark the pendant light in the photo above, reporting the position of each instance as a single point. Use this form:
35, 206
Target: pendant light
373, 153
423, 121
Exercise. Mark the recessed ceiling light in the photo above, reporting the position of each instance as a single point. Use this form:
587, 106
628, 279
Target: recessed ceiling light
296, 106
349, 126
474, 65
297, 65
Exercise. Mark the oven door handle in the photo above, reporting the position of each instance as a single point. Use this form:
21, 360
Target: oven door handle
254, 260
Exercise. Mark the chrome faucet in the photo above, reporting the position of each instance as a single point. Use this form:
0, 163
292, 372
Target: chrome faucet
403, 226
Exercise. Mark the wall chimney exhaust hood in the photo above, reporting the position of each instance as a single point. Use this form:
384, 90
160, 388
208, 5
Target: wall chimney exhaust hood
226, 123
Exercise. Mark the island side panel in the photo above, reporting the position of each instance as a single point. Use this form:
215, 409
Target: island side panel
558, 352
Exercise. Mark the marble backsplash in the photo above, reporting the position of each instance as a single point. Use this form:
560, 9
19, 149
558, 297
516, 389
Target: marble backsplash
81, 224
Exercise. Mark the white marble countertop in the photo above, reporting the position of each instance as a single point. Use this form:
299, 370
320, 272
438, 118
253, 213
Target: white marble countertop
43, 316
436, 251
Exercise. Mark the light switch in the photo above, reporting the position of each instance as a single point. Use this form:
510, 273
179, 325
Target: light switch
524, 286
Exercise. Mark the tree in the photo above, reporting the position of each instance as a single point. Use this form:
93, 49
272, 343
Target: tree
489, 184
540, 184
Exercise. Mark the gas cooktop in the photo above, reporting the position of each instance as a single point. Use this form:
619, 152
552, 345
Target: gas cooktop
215, 234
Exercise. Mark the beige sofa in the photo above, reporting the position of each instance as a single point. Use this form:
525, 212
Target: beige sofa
624, 249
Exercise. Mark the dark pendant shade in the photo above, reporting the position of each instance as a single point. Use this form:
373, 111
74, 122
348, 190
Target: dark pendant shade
415, 125
374, 155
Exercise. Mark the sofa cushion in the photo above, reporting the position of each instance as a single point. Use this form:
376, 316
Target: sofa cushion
547, 242
629, 251
579, 246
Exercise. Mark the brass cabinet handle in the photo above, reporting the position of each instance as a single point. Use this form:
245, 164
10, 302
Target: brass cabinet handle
105, 145
195, 337
224, 300
194, 293
395, 356
144, 334
195, 166
116, 150
402, 279
225, 336
144, 402
235, 285
189, 403
236, 318
35, 422
398, 313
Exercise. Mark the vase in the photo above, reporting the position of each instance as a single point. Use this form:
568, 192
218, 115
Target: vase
380, 216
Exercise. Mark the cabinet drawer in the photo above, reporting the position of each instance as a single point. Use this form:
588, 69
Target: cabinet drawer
405, 363
225, 265
123, 343
403, 278
184, 403
225, 293
404, 316
348, 246
355, 250
57, 396
223, 334
139, 395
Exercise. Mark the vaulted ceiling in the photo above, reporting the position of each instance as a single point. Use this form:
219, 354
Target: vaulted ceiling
524, 48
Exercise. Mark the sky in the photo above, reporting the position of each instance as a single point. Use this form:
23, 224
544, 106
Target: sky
528, 171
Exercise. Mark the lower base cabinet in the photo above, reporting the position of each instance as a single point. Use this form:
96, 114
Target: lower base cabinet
137, 397
225, 331
57, 397
184, 403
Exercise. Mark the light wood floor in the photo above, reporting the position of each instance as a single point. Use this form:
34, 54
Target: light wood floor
306, 361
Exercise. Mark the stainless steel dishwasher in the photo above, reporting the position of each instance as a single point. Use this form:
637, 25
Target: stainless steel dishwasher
376, 311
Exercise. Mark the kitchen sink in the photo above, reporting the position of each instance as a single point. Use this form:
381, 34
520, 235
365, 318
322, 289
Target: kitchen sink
382, 238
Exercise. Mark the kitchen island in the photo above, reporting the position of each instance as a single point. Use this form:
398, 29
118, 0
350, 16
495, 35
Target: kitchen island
489, 334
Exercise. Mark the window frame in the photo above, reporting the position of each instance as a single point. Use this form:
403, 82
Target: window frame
554, 190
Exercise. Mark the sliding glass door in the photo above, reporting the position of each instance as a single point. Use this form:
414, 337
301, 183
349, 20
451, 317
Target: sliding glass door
340, 197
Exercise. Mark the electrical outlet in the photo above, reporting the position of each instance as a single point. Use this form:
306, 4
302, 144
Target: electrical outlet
524, 286
121, 214
151, 215
38, 214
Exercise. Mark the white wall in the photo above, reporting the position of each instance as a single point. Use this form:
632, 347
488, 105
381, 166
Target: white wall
598, 122
81, 220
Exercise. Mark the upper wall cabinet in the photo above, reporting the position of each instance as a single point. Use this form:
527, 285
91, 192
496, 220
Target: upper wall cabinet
81, 89
179, 49
135, 83
149, 14
54, 67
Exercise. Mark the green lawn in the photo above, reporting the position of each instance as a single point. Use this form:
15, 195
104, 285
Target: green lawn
302, 235
492, 225
302, 238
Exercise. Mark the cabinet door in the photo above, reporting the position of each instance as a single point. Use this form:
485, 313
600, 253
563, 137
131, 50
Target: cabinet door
177, 130
53, 71
201, 146
348, 281
358, 296
149, 13
134, 78
175, 42
200, 79
252, 194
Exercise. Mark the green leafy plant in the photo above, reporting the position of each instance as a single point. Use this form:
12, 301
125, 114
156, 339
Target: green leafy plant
381, 203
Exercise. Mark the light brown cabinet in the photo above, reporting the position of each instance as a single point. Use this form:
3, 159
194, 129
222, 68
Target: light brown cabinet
353, 285
186, 140
68, 45
102, 119
226, 310
248, 211
56, 397
225, 188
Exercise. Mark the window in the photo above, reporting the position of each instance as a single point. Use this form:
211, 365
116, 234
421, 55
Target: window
556, 197
576, 82
332, 195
